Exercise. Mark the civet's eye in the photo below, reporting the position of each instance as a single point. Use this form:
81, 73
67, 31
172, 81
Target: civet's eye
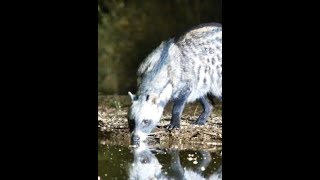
146, 122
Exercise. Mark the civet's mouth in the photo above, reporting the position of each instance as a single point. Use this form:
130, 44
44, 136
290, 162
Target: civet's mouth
138, 137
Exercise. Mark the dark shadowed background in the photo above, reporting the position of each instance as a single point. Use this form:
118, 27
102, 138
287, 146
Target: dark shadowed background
128, 30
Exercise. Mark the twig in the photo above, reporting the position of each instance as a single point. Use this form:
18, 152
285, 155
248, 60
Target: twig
159, 132
194, 134
194, 113
209, 133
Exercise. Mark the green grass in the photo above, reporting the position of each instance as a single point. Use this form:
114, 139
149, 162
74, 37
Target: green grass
116, 104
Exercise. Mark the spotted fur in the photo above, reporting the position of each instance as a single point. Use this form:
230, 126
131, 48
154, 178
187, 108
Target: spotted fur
182, 70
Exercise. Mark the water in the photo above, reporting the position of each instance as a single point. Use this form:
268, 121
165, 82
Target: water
150, 162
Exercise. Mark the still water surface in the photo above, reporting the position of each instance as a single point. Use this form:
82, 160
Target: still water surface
146, 162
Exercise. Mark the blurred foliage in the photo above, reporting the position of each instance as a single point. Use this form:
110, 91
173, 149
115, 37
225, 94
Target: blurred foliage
129, 30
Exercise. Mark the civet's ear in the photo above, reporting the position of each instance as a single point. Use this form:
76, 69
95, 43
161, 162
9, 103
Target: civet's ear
162, 43
152, 98
132, 96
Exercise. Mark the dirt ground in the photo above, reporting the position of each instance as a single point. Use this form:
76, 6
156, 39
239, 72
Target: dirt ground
113, 125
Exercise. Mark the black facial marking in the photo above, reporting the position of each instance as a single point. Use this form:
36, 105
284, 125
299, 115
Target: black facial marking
131, 124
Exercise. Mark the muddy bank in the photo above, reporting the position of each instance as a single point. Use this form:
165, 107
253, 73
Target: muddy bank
113, 125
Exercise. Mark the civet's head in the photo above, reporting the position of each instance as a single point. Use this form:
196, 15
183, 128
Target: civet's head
144, 114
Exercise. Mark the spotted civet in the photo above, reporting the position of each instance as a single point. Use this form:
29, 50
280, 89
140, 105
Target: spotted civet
182, 70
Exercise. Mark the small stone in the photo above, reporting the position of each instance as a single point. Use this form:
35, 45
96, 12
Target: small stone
195, 162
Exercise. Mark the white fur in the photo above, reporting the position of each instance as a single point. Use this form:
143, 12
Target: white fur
166, 93
169, 64
141, 110
143, 136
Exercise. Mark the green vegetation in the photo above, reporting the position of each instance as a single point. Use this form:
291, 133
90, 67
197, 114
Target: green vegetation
116, 104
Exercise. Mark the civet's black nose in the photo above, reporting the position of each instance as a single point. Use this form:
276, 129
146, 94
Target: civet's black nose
135, 138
